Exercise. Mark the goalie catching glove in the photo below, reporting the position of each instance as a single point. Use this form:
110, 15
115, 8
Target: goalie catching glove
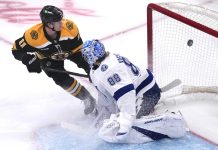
31, 63
115, 129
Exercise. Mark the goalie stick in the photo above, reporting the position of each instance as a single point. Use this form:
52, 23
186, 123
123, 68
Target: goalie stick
171, 85
188, 89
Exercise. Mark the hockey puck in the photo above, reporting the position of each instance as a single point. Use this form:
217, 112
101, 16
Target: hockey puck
190, 42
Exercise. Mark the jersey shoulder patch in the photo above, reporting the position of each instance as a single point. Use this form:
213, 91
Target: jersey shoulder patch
69, 28
35, 36
104, 67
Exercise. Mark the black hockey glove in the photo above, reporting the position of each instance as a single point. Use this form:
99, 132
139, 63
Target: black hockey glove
31, 63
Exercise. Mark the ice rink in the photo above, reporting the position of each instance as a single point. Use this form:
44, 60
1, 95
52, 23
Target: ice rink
29, 102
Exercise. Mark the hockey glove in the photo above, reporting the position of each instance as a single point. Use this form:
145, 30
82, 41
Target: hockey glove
31, 63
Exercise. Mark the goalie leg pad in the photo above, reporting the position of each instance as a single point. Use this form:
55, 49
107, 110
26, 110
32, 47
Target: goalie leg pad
148, 102
171, 125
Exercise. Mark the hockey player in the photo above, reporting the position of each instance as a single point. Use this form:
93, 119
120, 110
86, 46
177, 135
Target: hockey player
47, 45
126, 96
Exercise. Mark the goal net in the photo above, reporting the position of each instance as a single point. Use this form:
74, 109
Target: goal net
183, 44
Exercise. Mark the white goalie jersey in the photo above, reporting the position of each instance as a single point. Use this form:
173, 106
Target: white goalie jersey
121, 81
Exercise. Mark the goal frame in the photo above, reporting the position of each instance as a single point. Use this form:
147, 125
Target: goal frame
156, 7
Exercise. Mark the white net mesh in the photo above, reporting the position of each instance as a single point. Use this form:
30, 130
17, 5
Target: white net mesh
182, 51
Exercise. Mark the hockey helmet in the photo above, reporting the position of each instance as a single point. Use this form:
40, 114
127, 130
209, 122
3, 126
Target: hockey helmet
92, 51
50, 14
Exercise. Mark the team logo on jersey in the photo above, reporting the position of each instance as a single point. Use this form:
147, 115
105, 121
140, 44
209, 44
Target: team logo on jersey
34, 35
60, 55
69, 25
104, 68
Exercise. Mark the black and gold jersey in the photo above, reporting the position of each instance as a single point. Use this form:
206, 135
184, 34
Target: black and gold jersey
36, 40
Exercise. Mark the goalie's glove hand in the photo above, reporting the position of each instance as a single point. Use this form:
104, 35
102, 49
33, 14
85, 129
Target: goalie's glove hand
31, 63
116, 129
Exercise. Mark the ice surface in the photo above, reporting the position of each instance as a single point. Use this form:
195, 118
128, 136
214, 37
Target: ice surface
31, 103
56, 138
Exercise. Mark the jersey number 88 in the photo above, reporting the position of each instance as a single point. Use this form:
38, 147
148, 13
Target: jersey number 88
114, 79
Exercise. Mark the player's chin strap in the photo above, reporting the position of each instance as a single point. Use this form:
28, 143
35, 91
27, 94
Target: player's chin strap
65, 72
50, 27
53, 29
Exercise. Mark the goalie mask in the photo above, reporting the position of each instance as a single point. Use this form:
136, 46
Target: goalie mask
92, 51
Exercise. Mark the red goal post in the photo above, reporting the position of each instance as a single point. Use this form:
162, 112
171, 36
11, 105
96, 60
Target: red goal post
182, 41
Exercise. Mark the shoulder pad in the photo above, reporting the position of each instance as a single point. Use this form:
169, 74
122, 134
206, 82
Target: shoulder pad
70, 27
35, 36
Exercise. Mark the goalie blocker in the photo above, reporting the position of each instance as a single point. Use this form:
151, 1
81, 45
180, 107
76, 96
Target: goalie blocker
145, 129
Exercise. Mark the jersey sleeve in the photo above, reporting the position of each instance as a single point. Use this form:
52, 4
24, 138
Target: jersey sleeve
20, 48
22, 45
72, 29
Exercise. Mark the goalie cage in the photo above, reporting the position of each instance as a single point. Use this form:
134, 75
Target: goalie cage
183, 44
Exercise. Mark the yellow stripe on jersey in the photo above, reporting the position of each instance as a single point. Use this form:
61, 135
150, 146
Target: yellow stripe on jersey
77, 49
14, 47
39, 55
75, 88
72, 86
77, 91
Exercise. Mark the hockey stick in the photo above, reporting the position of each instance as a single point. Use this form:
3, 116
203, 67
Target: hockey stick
65, 72
166, 88
171, 85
